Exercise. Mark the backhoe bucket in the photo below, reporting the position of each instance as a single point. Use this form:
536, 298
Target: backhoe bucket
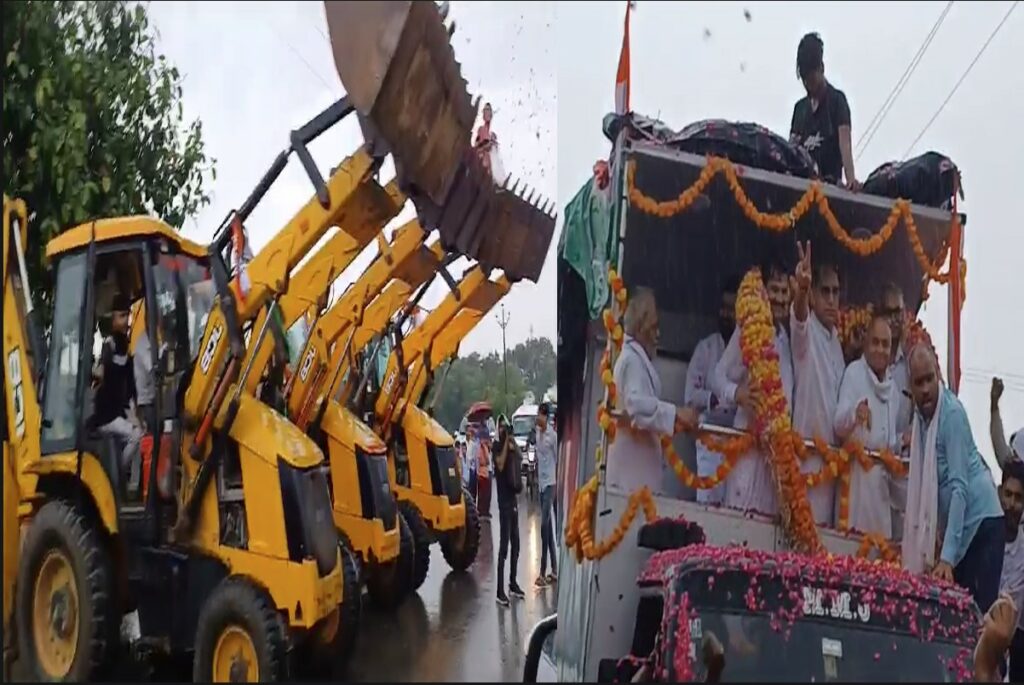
398, 68
504, 227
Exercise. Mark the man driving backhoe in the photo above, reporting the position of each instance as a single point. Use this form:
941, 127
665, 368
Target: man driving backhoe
114, 379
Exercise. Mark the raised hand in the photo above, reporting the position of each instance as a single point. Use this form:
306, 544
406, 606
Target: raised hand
997, 390
801, 281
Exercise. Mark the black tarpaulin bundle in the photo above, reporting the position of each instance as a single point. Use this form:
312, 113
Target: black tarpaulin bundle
743, 143
931, 179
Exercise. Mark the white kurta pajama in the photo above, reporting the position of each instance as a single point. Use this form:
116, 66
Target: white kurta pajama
635, 457
818, 365
751, 484
870, 498
698, 395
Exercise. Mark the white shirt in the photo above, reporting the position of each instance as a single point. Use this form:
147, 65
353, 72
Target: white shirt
730, 372
547, 446
635, 457
751, 484
870, 496
1012, 579
818, 364
699, 374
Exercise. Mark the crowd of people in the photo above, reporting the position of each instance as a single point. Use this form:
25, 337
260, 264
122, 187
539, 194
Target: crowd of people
957, 526
493, 460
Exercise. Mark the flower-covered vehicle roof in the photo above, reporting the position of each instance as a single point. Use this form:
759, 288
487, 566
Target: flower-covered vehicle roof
771, 611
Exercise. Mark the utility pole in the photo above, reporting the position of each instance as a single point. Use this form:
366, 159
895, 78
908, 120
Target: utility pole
503, 322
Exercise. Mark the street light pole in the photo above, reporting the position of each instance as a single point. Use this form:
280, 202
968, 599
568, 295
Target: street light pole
503, 322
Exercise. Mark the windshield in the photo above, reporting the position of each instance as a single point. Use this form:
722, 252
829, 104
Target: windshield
60, 391
199, 297
522, 425
818, 651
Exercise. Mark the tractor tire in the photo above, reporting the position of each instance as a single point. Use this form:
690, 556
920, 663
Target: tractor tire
65, 577
422, 538
460, 546
240, 636
388, 584
351, 606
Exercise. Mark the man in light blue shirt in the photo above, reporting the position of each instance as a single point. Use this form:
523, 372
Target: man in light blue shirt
547, 446
968, 504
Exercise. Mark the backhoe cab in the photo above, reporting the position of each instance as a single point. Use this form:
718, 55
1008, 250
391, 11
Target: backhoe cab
235, 559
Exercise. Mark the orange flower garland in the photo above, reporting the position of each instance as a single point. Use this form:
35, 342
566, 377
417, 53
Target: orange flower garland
772, 424
579, 534
887, 552
731, 450
787, 220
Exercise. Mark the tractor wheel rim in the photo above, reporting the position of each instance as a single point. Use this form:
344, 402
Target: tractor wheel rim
234, 657
55, 610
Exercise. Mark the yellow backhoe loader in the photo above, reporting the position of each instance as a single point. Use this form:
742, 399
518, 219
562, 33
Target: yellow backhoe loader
313, 400
235, 561
376, 539
422, 463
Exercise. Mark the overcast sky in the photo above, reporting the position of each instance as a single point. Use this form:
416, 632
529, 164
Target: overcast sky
745, 70
253, 71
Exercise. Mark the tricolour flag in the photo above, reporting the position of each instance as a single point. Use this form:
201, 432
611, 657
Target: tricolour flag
622, 76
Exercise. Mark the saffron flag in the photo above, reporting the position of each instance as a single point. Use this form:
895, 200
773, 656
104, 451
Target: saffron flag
622, 76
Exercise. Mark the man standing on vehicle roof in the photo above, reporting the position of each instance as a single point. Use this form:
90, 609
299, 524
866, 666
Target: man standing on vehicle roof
950, 489
868, 404
701, 397
547, 446
635, 458
751, 485
818, 365
821, 120
1011, 497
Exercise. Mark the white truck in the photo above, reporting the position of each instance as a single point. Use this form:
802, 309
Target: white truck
616, 613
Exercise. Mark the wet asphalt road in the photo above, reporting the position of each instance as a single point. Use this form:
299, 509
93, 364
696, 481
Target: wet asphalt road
452, 629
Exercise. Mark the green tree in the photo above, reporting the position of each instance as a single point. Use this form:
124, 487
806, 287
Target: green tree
93, 122
475, 378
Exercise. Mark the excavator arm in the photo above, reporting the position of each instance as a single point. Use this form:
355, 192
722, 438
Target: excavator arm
446, 343
373, 206
222, 349
408, 261
412, 348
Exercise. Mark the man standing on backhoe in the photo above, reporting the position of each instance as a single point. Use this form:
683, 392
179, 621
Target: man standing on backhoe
115, 376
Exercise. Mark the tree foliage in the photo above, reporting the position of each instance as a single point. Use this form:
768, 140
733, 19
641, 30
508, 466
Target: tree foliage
474, 378
93, 122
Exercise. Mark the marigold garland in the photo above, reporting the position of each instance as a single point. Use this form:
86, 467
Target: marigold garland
814, 195
771, 411
887, 552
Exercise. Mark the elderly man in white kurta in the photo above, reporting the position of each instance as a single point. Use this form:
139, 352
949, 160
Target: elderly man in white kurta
751, 484
635, 457
868, 410
700, 396
818, 364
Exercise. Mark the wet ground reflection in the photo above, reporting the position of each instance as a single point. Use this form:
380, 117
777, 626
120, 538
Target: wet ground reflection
452, 629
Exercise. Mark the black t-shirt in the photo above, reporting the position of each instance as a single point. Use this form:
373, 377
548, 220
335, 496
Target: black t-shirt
509, 479
113, 397
817, 130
